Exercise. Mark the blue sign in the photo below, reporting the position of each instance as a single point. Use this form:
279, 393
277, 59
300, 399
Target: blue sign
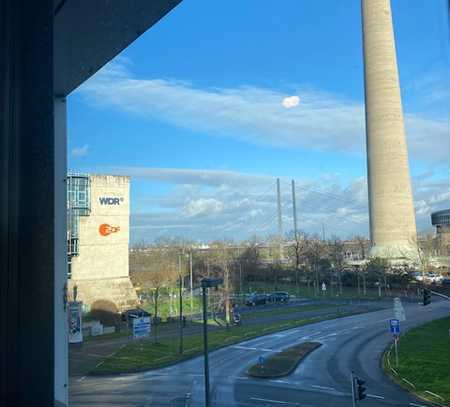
394, 326
261, 360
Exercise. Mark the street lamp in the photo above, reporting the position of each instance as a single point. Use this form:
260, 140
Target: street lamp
207, 283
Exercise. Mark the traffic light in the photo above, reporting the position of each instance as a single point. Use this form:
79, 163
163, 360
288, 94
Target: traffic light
426, 297
360, 389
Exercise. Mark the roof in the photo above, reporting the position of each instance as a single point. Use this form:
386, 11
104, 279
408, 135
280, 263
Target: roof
88, 34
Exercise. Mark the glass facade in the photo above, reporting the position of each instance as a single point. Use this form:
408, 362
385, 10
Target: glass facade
78, 204
441, 217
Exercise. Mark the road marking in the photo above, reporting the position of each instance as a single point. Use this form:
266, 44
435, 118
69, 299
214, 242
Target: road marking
416, 405
280, 381
323, 387
374, 396
81, 379
251, 348
272, 401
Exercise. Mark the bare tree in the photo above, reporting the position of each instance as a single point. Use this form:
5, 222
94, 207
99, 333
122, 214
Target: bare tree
314, 251
336, 253
426, 250
223, 255
298, 250
151, 270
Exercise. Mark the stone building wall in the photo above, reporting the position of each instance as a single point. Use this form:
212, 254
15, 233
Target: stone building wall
101, 270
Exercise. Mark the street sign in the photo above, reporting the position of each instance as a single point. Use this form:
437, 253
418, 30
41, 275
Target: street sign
324, 287
399, 311
261, 361
394, 325
141, 327
74, 314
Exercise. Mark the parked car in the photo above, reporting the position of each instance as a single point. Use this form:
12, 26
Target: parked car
134, 313
418, 276
279, 296
434, 278
445, 281
256, 299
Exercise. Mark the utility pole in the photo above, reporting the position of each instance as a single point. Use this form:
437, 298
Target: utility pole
205, 343
191, 281
294, 213
181, 309
205, 284
323, 231
240, 271
280, 221
294, 209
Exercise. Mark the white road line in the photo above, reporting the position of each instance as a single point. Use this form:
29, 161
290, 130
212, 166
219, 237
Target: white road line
323, 387
280, 381
374, 396
81, 379
271, 401
416, 405
251, 348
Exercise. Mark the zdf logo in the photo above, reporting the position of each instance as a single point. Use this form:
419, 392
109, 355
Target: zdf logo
105, 229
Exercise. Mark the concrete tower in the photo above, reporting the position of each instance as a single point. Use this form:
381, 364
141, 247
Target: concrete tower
392, 219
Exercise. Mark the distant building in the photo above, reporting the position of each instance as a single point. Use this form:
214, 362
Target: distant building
98, 213
356, 251
441, 220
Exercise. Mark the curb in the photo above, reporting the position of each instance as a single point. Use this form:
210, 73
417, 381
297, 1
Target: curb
397, 379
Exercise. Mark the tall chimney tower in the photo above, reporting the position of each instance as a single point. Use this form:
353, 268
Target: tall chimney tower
392, 218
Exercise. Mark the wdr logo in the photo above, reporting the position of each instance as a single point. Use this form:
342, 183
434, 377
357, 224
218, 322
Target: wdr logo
106, 200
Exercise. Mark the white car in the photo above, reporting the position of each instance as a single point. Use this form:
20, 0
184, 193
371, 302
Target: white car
418, 276
434, 278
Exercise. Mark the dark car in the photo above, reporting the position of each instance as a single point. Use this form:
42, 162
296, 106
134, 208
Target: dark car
445, 281
279, 297
256, 299
134, 313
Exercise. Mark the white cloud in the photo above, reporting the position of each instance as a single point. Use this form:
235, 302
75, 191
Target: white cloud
213, 178
291, 101
324, 122
202, 207
80, 151
227, 208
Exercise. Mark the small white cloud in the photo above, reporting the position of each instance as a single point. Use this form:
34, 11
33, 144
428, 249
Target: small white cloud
80, 151
203, 207
291, 101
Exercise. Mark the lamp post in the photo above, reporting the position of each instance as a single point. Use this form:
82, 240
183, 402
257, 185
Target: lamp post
181, 313
207, 283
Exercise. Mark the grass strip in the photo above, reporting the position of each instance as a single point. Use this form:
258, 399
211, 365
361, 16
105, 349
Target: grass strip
144, 354
424, 362
283, 363
285, 310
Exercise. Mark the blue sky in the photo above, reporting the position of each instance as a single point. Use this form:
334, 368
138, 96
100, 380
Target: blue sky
193, 112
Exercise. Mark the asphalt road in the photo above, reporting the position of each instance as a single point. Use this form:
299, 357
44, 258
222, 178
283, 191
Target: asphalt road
323, 379
85, 356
